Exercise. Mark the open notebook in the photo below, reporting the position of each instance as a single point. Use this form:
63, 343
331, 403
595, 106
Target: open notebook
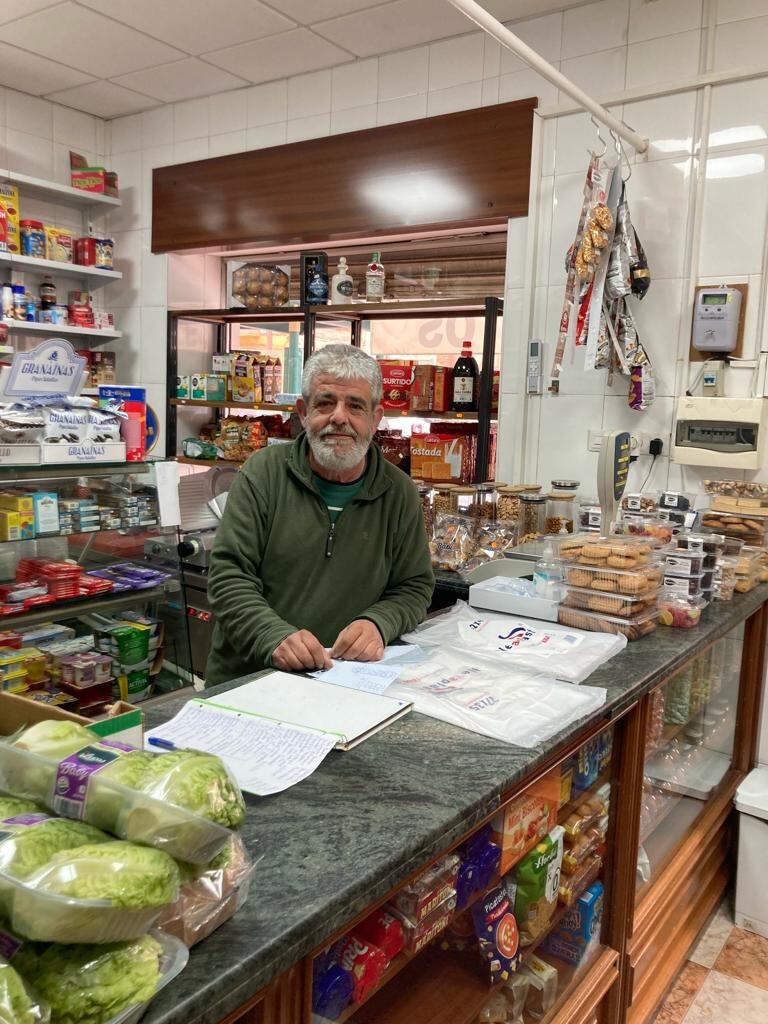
350, 716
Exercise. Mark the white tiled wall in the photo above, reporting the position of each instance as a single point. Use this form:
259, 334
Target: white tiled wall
606, 46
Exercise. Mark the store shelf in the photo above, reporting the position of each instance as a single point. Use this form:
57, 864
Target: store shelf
73, 470
27, 327
81, 606
431, 414
92, 274
83, 536
202, 404
53, 192
434, 987
389, 310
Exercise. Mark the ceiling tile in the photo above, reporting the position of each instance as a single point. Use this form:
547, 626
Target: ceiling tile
29, 73
12, 9
394, 26
103, 99
307, 11
182, 80
90, 42
290, 53
189, 24
509, 10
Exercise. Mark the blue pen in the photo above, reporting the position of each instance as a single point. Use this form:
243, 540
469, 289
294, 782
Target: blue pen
156, 741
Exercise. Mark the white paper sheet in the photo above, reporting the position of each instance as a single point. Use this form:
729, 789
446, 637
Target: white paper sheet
264, 757
167, 483
371, 676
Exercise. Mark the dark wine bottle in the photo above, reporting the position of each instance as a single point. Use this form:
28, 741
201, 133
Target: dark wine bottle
466, 381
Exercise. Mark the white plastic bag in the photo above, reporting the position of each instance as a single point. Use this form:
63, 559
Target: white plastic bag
530, 645
511, 706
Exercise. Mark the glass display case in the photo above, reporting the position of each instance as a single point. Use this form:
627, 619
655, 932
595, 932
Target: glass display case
502, 928
76, 585
688, 751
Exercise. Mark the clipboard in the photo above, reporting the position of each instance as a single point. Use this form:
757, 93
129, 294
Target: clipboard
350, 716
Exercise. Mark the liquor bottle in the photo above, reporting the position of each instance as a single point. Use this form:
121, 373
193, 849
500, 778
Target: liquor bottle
317, 287
342, 285
466, 381
374, 279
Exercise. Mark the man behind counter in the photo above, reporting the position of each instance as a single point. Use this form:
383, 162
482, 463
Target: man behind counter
322, 548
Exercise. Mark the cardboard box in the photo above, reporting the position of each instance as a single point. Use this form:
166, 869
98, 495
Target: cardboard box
133, 430
9, 200
10, 525
246, 380
46, 512
91, 179
16, 502
423, 389
197, 387
104, 368
124, 722
215, 387
527, 819
397, 381
183, 386
442, 456
441, 389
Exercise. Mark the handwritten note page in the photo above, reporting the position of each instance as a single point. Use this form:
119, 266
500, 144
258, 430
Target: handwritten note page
264, 757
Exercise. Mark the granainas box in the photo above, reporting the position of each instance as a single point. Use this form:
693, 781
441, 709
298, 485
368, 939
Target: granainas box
397, 383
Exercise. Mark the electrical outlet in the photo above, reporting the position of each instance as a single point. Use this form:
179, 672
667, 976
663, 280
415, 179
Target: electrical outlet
594, 440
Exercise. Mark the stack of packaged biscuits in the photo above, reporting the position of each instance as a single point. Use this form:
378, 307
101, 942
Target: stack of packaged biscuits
612, 584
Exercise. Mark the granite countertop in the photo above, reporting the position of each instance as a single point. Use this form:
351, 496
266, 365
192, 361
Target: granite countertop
369, 817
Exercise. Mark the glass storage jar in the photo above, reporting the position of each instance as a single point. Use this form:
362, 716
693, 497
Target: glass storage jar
560, 512
485, 500
444, 499
589, 517
565, 485
425, 497
533, 509
508, 502
465, 499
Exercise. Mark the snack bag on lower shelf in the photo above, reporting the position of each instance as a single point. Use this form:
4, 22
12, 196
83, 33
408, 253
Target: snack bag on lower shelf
536, 880
497, 933
364, 962
543, 991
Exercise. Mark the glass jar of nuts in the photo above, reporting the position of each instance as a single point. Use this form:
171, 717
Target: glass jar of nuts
485, 500
444, 499
464, 497
560, 512
532, 516
508, 502
425, 497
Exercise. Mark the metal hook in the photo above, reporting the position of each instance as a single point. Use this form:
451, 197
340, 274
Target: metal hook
599, 135
626, 160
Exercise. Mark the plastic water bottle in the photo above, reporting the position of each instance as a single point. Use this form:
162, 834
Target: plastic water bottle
548, 576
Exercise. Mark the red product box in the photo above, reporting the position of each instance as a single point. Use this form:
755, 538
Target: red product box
397, 381
423, 388
366, 963
382, 930
85, 251
133, 401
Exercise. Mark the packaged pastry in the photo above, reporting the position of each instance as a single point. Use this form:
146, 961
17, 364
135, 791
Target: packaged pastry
750, 529
453, 542
690, 586
419, 898
636, 582
647, 525
684, 563
529, 818
707, 543
615, 552
632, 628
259, 286
580, 848
736, 488
625, 605
572, 886
418, 934
639, 503
543, 978
588, 813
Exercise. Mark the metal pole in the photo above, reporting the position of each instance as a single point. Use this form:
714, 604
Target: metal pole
512, 42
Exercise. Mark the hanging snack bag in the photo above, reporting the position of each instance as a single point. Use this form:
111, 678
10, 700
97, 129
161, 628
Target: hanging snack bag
536, 886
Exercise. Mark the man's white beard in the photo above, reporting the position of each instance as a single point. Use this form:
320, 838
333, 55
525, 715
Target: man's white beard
329, 456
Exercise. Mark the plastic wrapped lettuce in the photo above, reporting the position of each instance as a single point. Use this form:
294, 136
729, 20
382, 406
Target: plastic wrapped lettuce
10, 806
17, 1004
99, 893
101, 984
183, 802
209, 895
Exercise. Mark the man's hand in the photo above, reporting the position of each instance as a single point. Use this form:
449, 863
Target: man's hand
360, 641
300, 651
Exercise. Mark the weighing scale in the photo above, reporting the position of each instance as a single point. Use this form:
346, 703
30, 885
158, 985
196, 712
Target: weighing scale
612, 472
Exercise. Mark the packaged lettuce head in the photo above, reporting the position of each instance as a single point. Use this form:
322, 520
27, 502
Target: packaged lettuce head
17, 1004
97, 893
109, 984
209, 895
29, 841
183, 802
11, 806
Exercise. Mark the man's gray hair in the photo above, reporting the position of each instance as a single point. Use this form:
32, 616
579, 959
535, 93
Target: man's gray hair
344, 362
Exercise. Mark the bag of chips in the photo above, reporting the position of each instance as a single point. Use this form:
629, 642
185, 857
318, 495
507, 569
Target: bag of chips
536, 885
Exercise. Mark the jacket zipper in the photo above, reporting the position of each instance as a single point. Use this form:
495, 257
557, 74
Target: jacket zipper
330, 540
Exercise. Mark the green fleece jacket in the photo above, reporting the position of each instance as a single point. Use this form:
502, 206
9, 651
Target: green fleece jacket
279, 565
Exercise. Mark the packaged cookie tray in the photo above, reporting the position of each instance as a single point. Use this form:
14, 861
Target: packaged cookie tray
614, 551
632, 628
750, 529
614, 581
627, 606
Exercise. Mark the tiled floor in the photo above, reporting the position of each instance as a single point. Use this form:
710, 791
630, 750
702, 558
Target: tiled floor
724, 982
